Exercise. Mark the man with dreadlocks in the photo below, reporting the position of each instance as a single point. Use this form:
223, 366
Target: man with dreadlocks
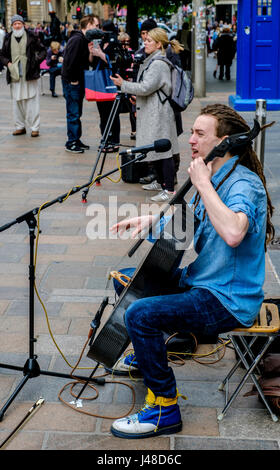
219, 291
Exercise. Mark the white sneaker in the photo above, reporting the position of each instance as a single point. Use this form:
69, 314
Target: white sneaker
153, 186
163, 196
159, 415
125, 366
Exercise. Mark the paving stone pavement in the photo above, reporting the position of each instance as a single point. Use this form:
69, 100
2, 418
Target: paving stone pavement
71, 273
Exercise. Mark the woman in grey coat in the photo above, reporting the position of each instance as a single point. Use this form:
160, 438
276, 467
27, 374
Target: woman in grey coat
155, 117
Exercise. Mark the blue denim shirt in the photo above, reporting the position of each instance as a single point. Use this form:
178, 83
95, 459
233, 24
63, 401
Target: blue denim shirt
234, 275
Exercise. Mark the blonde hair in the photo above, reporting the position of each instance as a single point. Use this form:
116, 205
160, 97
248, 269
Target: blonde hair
159, 35
55, 46
123, 37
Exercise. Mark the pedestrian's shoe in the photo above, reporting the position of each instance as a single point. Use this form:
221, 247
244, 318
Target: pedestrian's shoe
82, 146
148, 179
133, 136
125, 366
54, 95
74, 148
159, 415
163, 196
154, 186
35, 134
19, 131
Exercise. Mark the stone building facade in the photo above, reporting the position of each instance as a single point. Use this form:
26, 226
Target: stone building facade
37, 11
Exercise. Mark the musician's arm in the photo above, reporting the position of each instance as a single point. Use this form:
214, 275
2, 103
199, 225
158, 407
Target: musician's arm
139, 224
231, 226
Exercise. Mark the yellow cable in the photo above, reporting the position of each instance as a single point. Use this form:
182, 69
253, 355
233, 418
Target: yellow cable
202, 355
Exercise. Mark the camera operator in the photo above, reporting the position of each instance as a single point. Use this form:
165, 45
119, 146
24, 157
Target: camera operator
126, 71
108, 47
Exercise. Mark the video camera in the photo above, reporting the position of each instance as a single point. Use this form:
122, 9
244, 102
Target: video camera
105, 36
122, 57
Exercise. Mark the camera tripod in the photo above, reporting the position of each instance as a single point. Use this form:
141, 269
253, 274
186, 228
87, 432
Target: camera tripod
121, 98
31, 368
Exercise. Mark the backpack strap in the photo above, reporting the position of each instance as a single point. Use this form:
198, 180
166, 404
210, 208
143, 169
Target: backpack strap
167, 61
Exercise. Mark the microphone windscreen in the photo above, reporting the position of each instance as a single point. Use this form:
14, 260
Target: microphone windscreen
162, 145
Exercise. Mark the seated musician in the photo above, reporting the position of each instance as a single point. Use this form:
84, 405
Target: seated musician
219, 291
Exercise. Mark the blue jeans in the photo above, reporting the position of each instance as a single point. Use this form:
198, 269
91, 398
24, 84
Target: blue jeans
54, 72
74, 96
191, 311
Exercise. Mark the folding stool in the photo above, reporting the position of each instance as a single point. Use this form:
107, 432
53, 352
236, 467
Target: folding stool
267, 325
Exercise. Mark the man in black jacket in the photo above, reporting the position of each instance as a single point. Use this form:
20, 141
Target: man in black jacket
77, 58
22, 53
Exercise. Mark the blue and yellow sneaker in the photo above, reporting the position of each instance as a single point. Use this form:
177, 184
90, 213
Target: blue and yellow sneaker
159, 415
125, 366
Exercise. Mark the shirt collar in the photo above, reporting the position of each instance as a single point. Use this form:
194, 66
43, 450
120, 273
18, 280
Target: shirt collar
223, 170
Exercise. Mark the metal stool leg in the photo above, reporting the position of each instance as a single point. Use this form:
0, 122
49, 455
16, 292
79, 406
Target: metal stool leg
249, 372
236, 365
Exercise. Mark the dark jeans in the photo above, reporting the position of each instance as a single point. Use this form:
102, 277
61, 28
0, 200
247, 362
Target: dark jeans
54, 72
191, 311
104, 109
74, 96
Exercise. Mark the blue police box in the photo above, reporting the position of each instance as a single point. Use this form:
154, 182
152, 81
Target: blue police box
258, 55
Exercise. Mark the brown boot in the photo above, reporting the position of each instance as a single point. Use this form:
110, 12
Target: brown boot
34, 133
19, 131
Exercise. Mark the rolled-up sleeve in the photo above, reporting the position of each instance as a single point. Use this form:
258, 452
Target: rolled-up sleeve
250, 198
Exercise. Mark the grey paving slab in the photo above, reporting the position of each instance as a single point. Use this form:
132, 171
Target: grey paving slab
71, 274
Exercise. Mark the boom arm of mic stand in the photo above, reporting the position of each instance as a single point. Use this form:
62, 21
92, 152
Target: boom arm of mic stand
30, 214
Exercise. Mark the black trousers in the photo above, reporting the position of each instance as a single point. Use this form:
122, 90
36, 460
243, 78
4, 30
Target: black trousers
104, 109
222, 67
165, 173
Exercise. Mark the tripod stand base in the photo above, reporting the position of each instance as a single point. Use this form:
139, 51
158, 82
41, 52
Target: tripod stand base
32, 369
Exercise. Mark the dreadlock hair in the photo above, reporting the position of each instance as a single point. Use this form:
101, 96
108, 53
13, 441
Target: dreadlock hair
229, 122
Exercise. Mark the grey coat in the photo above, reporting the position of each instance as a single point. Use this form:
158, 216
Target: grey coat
154, 119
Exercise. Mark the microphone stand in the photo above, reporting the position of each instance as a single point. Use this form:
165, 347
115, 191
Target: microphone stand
31, 368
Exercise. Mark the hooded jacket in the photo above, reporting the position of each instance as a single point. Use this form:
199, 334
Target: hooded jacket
75, 58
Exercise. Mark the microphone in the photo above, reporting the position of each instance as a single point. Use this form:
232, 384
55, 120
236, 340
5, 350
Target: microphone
161, 145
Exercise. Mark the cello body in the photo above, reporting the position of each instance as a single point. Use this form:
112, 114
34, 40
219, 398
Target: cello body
151, 278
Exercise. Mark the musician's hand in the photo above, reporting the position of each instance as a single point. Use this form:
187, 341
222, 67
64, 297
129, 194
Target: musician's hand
138, 223
200, 173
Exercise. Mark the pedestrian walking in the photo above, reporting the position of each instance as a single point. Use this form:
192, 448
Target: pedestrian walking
22, 53
226, 49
